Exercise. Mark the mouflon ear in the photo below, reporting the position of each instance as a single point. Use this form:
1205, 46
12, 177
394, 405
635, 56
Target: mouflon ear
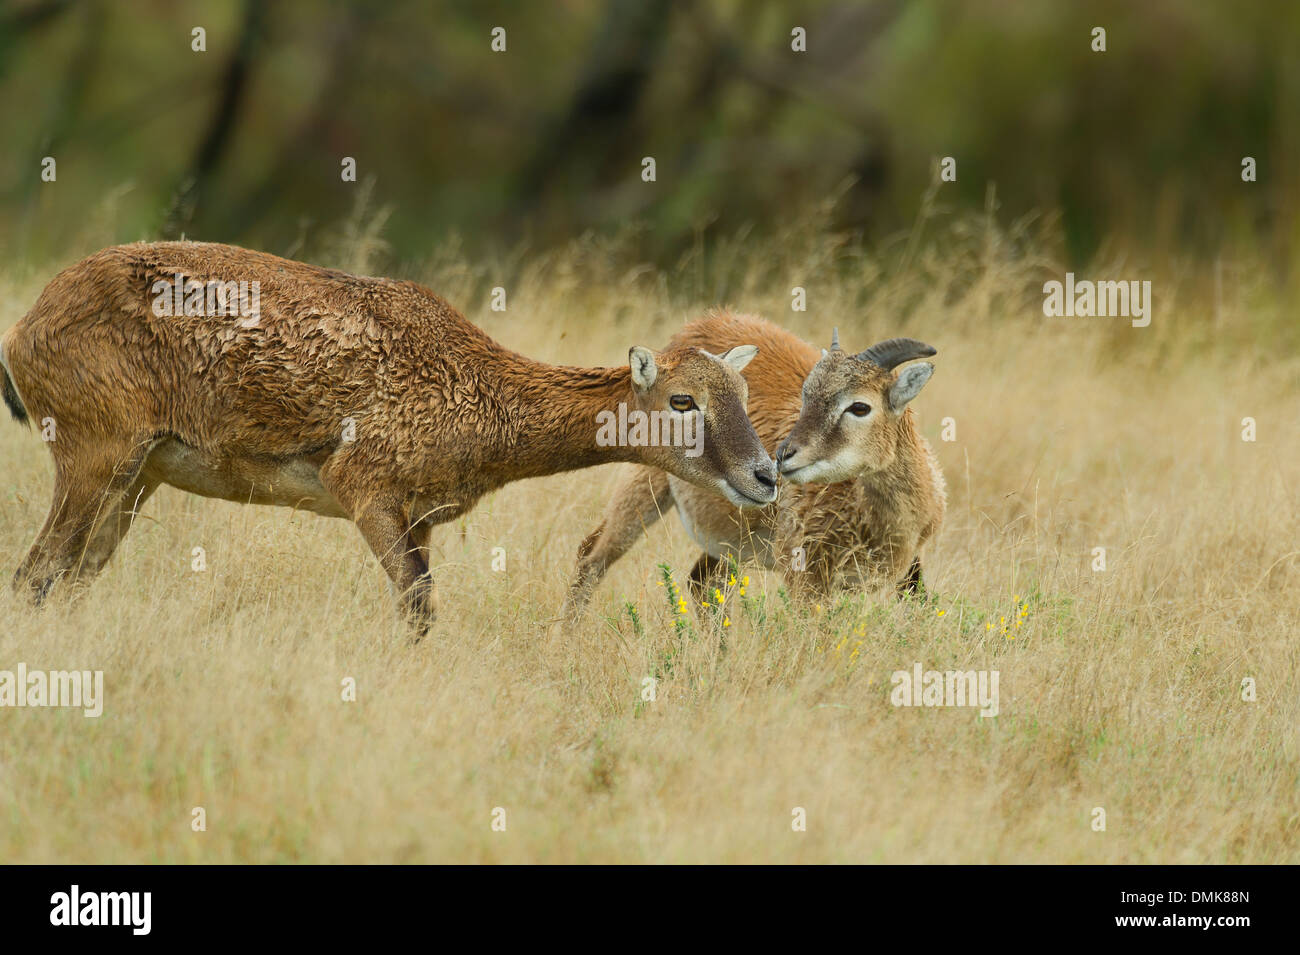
644, 369
739, 357
910, 381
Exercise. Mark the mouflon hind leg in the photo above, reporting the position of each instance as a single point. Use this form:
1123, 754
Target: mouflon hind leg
84, 523
103, 542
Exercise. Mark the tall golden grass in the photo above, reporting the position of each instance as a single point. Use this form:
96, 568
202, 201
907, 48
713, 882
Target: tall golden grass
1121, 690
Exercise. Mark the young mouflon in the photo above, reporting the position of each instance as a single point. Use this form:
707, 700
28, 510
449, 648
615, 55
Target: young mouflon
866, 491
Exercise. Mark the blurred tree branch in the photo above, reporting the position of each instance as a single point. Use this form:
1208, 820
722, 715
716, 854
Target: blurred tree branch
217, 138
303, 144
64, 115
843, 34
600, 115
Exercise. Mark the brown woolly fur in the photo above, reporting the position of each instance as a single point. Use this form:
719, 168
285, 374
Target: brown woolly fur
865, 530
363, 398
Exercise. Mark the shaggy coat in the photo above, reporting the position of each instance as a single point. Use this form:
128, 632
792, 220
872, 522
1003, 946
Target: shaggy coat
365, 398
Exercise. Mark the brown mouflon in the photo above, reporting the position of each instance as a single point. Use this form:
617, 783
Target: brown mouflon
364, 398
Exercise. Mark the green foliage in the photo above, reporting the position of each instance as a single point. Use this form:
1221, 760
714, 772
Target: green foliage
1141, 143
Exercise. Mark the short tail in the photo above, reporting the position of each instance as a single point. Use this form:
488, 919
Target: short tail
15, 403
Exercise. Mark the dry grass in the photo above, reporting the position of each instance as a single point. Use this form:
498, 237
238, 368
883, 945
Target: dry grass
1120, 690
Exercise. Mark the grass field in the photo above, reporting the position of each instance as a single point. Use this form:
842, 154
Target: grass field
1121, 689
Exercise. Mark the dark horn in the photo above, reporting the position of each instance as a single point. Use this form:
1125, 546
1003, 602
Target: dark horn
835, 339
893, 352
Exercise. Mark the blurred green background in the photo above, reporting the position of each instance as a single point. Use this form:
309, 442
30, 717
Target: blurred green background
1137, 147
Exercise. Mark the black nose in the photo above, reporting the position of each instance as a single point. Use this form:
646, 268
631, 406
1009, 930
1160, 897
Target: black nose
765, 476
785, 451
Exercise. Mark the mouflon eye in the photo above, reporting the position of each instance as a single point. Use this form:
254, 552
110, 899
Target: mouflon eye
681, 403
859, 409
